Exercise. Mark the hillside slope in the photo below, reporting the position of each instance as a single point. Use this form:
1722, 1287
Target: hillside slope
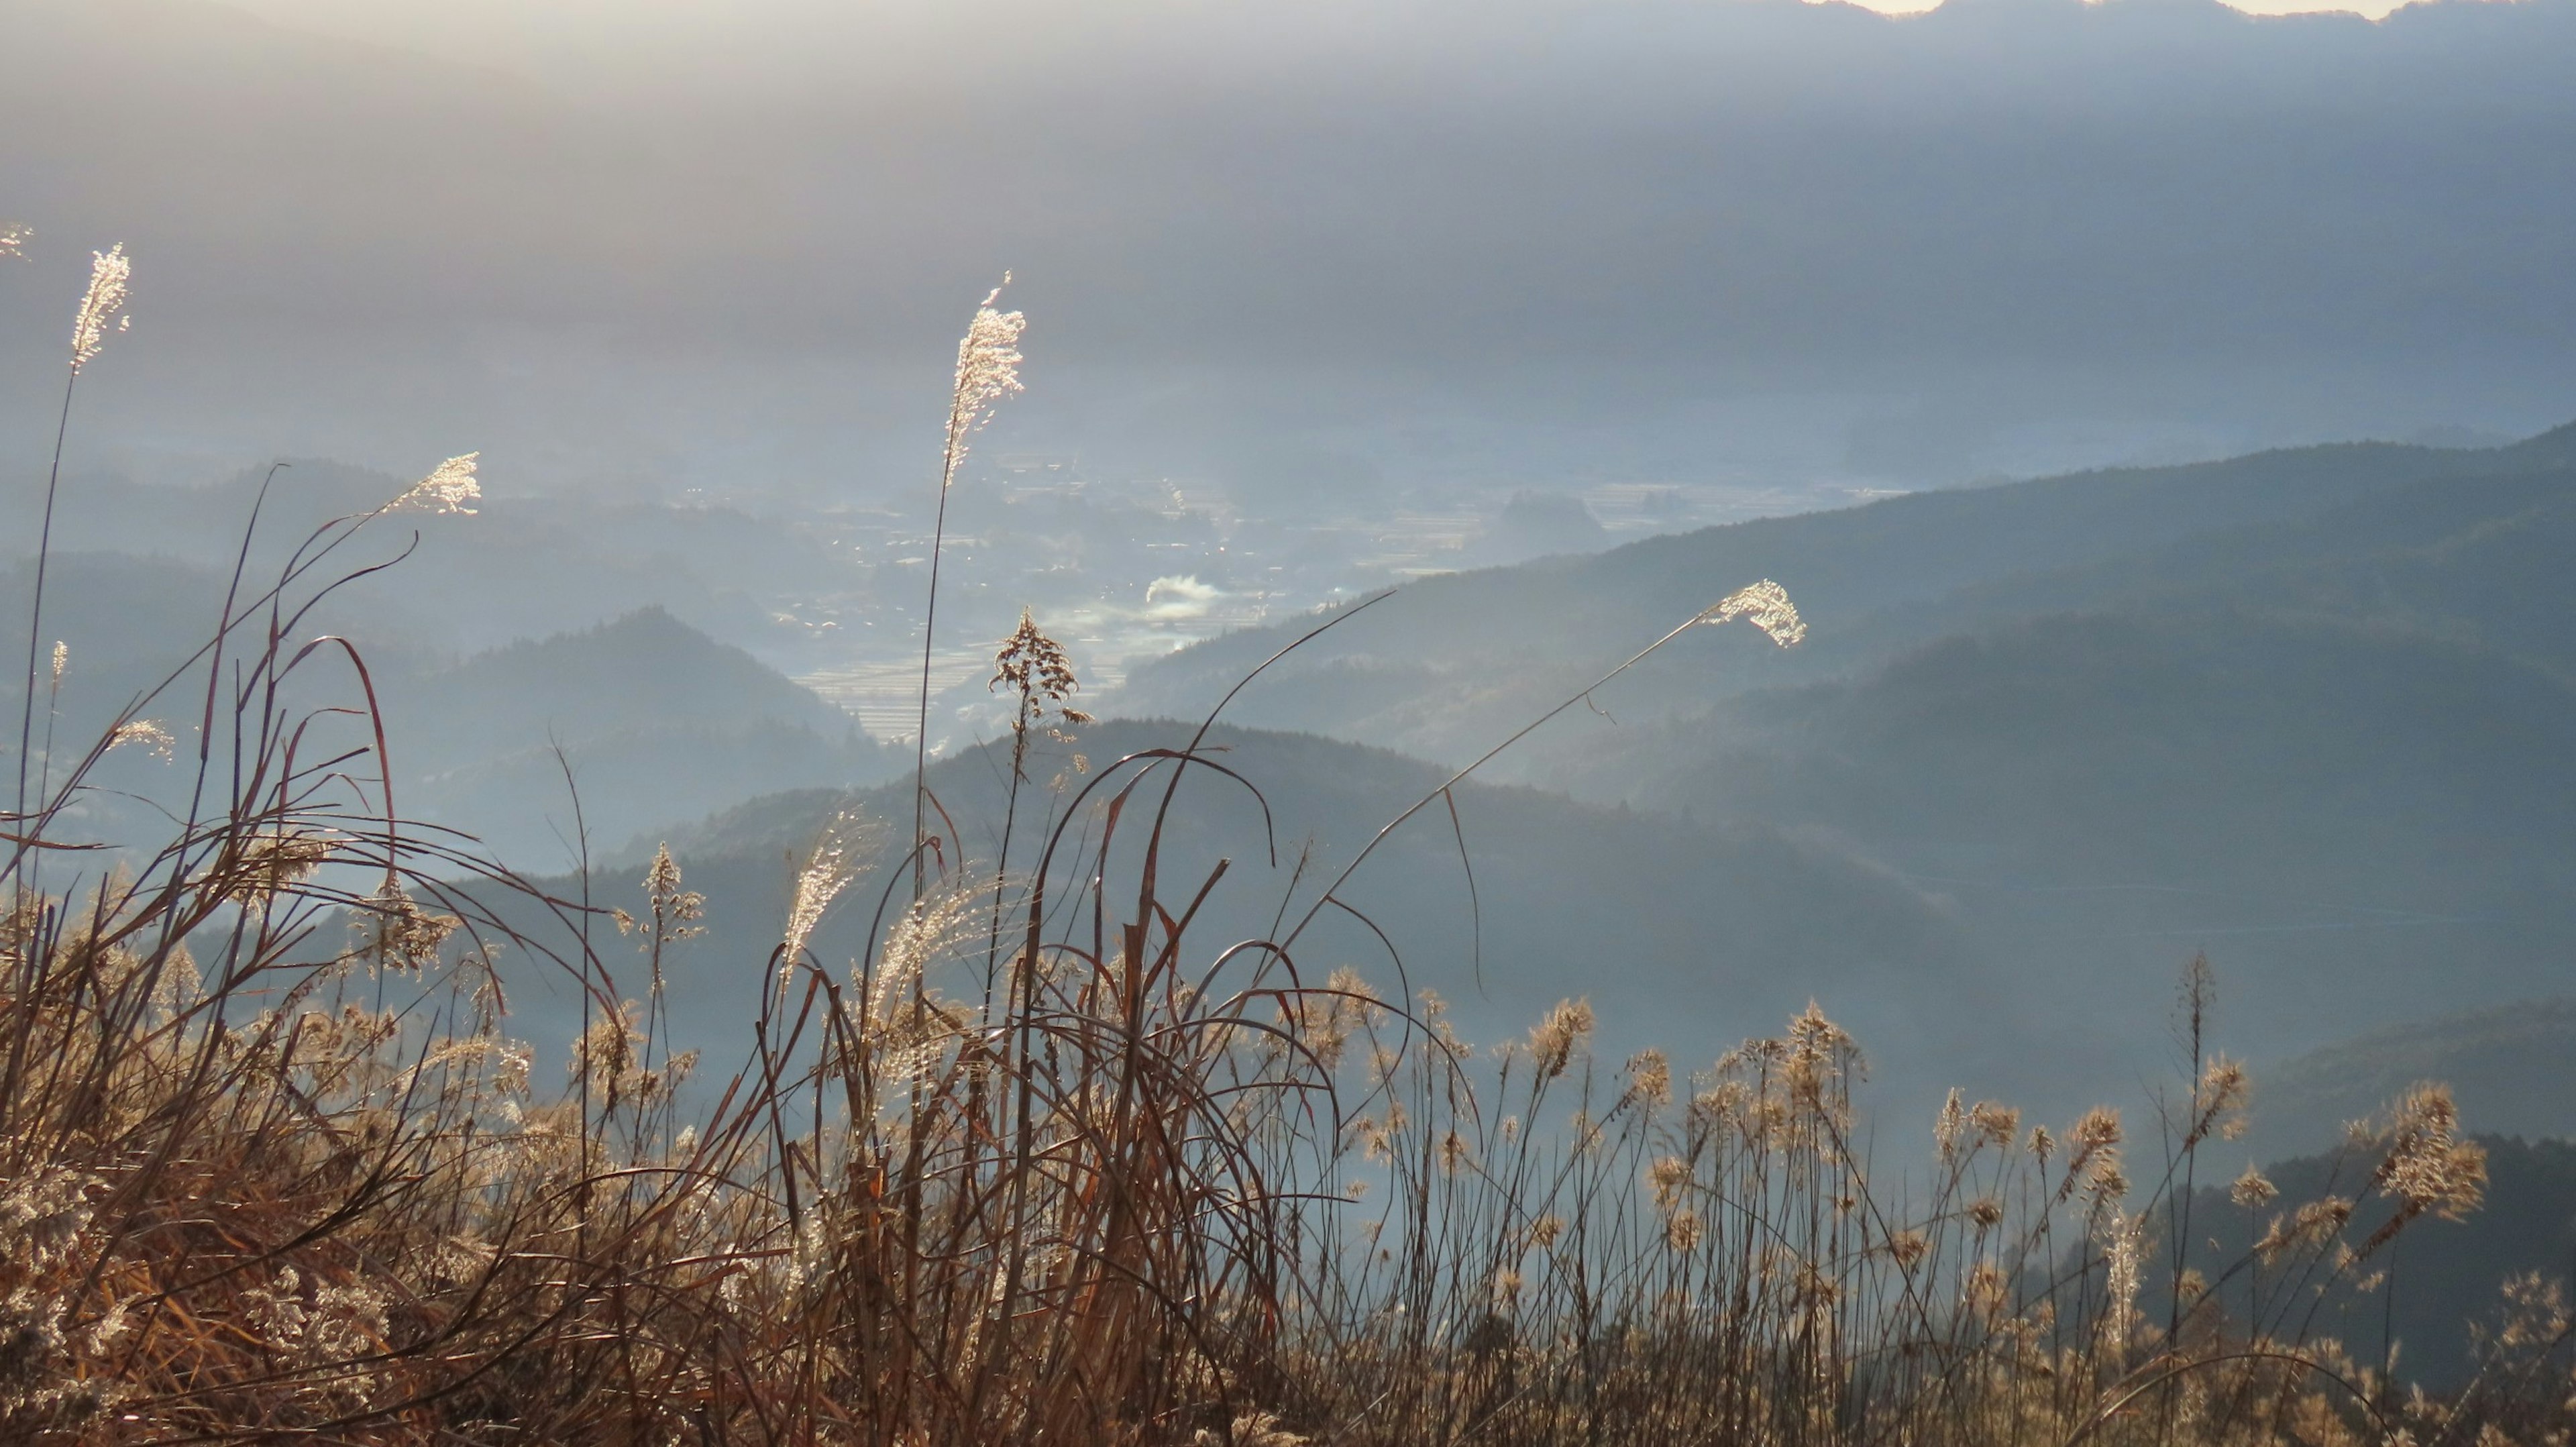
655, 718
2362, 825
1433, 669
1687, 937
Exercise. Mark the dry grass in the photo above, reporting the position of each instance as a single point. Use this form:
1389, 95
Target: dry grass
275, 1167
1043, 1166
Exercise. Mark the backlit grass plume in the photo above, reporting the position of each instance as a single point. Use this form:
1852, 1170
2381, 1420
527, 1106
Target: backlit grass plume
1766, 606
988, 369
13, 241
102, 306
450, 488
988, 363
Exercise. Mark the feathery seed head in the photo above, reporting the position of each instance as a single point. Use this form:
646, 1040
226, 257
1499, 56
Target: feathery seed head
2126, 1241
1553, 1042
1668, 1174
1995, 1124
450, 488
13, 240
678, 909
2427, 1166
925, 930
828, 870
2312, 1223
1683, 1231
1813, 1038
2252, 1189
1035, 667
277, 860
2224, 1089
62, 659
2106, 1181
398, 934
1651, 1076
988, 369
2099, 1127
144, 732
45, 1212
102, 305
1952, 1124
1766, 605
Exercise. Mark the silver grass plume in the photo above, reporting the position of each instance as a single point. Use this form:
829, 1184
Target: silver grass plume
839, 853
13, 240
1766, 605
988, 369
103, 303
449, 488
150, 736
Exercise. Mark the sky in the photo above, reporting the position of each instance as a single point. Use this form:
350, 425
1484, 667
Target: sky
1497, 244
535, 34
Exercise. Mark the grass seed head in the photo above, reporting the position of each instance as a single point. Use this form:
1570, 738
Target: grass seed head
102, 307
1553, 1040
2252, 1190
1766, 606
988, 369
451, 487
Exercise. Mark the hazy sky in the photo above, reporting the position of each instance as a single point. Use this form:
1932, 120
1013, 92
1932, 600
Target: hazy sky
1497, 241
538, 34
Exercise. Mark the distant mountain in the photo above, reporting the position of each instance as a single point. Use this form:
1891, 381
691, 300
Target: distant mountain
521, 567
1435, 668
2442, 1279
2361, 824
2312, 712
2477, 552
656, 719
2509, 1068
1693, 938
645, 670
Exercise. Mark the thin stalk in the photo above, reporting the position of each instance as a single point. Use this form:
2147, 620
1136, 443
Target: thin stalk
929, 628
36, 610
1524, 731
986, 358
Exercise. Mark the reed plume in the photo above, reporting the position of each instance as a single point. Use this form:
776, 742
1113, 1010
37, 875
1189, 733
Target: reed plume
104, 301
988, 369
451, 487
102, 306
1766, 606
